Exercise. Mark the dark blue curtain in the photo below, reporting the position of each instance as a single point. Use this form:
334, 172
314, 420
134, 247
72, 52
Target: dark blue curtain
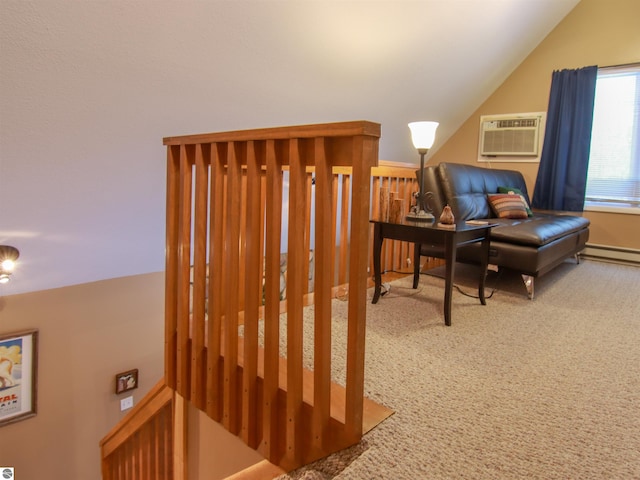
562, 175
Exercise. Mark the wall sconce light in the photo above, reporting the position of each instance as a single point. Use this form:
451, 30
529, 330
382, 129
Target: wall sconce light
8, 257
423, 135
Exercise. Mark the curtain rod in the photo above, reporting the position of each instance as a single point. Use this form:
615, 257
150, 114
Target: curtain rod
633, 64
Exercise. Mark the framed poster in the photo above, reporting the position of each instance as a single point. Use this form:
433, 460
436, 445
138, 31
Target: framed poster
18, 376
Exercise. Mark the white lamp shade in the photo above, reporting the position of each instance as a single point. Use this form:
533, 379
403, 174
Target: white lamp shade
423, 134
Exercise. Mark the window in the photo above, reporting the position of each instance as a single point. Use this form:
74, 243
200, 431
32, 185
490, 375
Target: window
613, 179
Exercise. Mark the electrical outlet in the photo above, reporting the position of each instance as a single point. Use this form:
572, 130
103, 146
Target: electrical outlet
126, 403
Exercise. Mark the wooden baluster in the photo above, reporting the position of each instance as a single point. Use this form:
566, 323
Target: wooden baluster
295, 293
178, 445
171, 255
365, 156
216, 281
407, 247
324, 247
242, 243
198, 365
344, 230
334, 228
184, 261
165, 445
230, 413
270, 427
253, 297
387, 246
307, 229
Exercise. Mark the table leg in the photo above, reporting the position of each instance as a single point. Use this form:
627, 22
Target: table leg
377, 252
483, 267
450, 256
416, 264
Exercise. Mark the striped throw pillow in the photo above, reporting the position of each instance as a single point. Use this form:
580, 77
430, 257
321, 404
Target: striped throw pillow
517, 191
506, 205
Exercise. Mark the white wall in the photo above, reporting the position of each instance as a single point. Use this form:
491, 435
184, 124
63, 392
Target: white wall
87, 334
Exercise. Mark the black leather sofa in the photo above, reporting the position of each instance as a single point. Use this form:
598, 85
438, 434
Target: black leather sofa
531, 246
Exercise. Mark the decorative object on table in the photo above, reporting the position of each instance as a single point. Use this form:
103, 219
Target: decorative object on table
18, 376
447, 217
126, 381
423, 135
8, 257
397, 211
384, 204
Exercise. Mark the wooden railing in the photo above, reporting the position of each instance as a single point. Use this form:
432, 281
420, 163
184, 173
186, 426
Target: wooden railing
225, 201
400, 182
219, 220
149, 443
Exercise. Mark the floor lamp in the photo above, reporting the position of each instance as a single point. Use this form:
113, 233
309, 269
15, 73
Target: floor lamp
423, 135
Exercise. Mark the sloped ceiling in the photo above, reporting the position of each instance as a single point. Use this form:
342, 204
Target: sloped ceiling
89, 89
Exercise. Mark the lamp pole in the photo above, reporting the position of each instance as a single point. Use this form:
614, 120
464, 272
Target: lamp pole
420, 204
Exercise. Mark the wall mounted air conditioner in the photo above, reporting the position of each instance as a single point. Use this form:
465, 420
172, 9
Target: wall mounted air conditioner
511, 135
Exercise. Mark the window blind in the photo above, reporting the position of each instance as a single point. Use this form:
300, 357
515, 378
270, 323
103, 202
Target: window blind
614, 162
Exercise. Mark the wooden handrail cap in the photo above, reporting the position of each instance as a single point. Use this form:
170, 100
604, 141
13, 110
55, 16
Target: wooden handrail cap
337, 129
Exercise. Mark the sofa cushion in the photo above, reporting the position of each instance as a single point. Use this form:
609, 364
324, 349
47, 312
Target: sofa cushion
538, 230
517, 191
507, 205
465, 188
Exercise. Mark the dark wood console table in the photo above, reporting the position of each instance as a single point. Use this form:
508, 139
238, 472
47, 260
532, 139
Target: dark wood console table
444, 241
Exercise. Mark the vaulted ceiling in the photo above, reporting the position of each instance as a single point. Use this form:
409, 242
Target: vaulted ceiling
89, 89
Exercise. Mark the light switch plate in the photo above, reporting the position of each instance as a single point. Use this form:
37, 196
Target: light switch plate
126, 403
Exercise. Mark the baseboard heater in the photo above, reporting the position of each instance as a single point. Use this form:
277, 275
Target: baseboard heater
613, 254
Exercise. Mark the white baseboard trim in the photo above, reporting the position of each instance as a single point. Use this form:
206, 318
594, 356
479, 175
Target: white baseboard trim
614, 254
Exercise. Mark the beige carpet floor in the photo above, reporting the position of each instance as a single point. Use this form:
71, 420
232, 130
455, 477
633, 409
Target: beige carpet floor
516, 389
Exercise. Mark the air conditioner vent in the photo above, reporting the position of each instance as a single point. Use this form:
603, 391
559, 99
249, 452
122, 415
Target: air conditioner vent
516, 123
510, 135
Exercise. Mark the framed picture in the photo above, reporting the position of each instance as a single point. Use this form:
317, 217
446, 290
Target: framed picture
18, 376
126, 381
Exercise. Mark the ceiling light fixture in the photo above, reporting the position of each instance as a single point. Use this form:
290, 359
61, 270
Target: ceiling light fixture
8, 257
